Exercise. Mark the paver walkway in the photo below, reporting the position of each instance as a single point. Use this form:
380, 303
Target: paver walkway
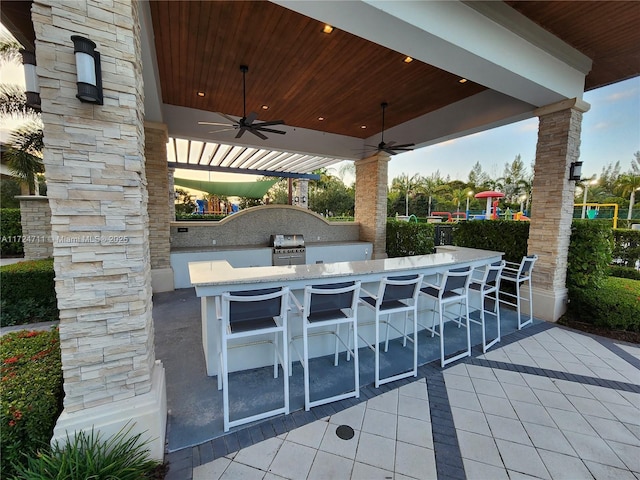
547, 403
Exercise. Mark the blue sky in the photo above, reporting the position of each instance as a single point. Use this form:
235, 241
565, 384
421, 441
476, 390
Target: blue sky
610, 133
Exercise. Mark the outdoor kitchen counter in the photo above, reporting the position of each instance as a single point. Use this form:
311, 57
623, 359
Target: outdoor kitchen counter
212, 278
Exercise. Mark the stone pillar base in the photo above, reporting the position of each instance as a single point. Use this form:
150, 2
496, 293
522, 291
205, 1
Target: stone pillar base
146, 413
547, 305
162, 280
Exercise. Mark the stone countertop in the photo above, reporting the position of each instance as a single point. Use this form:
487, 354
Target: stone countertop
223, 248
220, 273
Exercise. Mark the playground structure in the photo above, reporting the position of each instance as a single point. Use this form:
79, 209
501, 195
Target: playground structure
592, 213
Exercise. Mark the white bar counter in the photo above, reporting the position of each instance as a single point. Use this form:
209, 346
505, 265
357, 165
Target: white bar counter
212, 278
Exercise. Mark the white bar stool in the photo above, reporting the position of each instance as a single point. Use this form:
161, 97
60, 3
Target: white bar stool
326, 306
519, 274
397, 294
252, 313
453, 289
487, 288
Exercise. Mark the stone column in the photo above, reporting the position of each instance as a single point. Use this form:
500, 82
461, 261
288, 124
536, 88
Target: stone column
155, 150
97, 190
35, 217
552, 208
371, 202
301, 196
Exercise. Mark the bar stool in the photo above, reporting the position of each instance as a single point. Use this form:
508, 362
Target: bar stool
485, 287
452, 289
519, 274
326, 306
253, 313
395, 295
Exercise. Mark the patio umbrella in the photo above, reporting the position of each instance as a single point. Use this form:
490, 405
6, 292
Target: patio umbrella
256, 189
489, 195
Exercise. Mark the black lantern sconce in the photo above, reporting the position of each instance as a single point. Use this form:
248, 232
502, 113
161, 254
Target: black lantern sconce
575, 171
31, 79
88, 69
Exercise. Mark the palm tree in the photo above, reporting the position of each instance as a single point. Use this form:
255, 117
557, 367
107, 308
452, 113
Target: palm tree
629, 184
24, 153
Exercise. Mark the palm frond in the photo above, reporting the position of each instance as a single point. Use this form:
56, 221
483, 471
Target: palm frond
9, 50
13, 101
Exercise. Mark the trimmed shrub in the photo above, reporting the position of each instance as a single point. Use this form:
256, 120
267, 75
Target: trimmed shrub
87, 456
11, 232
615, 304
27, 292
409, 238
624, 272
626, 249
31, 391
589, 254
198, 217
498, 235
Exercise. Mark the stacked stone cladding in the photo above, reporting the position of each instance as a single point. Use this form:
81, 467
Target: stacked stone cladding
35, 216
371, 201
553, 196
160, 194
95, 167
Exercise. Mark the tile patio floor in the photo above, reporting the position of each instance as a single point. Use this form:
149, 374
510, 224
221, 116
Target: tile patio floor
546, 403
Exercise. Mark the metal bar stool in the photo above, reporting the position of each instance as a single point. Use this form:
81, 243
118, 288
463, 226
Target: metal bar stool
253, 313
452, 289
395, 295
324, 307
519, 274
487, 287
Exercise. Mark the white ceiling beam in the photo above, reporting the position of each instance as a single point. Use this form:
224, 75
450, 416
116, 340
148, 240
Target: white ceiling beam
518, 59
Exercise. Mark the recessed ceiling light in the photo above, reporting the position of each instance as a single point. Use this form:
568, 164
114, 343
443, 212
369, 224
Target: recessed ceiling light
408, 59
363, 126
201, 94
327, 29
265, 107
321, 118
463, 80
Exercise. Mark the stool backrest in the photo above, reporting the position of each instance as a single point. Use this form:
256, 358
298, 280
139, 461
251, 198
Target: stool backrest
402, 287
332, 297
457, 279
251, 305
492, 273
527, 265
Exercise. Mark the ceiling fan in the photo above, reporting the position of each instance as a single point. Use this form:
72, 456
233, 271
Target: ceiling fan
247, 123
391, 148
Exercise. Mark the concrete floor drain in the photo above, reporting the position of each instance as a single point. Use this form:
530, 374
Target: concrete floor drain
345, 432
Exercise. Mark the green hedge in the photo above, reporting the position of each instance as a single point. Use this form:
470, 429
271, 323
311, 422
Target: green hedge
27, 293
409, 238
197, 217
499, 235
589, 254
10, 232
613, 304
31, 392
624, 272
626, 249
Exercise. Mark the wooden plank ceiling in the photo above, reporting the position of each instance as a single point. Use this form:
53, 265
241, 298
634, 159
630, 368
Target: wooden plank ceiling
302, 74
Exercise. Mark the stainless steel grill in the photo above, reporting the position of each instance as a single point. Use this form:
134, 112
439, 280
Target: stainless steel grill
288, 249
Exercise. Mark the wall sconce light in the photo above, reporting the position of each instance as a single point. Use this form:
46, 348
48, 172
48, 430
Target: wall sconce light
89, 71
31, 79
575, 171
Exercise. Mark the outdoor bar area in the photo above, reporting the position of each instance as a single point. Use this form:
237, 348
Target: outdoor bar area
253, 380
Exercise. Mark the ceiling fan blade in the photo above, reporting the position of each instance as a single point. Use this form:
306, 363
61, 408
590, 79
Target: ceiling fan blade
405, 146
258, 134
232, 120
250, 118
215, 123
270, 130
270, 122
224, 130
241, 132
389, 144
